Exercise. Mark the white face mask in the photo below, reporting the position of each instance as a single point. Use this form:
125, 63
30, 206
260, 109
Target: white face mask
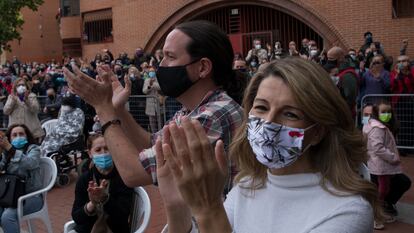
258, 46
335, 79
275, 145
313, 52
21, 90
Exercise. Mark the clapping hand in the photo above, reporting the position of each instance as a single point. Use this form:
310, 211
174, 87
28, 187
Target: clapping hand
199, 171
97, 194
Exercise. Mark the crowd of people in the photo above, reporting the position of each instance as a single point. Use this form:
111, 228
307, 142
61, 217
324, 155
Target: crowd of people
248, 132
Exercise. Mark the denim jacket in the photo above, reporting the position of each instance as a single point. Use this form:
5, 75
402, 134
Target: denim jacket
27, 165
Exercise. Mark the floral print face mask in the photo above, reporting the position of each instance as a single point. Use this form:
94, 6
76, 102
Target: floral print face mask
275, 145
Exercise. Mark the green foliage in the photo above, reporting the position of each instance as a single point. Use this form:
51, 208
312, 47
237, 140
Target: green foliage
11, 21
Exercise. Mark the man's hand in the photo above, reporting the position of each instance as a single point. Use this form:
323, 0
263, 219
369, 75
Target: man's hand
97, 93
120, 94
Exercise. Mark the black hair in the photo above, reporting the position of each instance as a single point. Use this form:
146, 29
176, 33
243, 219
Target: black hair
70, 100
367, 33
209, 41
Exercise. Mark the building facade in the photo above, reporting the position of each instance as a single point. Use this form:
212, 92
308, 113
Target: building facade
87, 26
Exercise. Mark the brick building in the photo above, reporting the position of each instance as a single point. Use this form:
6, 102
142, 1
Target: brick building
88, 26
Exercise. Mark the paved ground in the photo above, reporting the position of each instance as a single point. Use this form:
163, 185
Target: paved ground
60, 203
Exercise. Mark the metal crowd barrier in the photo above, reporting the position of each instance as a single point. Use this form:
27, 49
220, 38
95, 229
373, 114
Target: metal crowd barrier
403, 106
160, 109
165, 108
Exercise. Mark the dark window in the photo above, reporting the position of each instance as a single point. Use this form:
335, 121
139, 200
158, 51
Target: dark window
69, 7
402, 8
97, 26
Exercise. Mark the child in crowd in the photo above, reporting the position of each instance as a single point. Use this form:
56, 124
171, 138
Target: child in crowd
384, 161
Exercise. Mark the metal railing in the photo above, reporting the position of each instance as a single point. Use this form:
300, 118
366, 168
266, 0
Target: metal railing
403, 106
150, 112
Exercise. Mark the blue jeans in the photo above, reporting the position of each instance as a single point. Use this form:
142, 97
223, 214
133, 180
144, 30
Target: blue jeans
9, 221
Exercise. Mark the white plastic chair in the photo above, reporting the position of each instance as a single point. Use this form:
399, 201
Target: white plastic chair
141, 211
49, 171
69, 226
49, 125
140, 216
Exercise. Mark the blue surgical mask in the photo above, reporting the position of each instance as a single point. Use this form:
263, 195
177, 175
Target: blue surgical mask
152, 74
19, 142
365, 120
103, 161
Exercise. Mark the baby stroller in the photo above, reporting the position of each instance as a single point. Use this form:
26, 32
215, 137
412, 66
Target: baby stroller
66, 159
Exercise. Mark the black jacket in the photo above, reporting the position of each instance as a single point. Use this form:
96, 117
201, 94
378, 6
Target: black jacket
118, 206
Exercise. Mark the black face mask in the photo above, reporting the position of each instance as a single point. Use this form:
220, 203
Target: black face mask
333, 63
174, 80
51, 97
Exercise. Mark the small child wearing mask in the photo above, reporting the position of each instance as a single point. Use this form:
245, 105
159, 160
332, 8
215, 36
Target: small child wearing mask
384, 160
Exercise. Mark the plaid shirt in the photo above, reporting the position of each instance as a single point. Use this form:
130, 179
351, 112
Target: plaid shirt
220, 116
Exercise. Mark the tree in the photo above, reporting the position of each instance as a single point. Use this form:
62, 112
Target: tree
11, 20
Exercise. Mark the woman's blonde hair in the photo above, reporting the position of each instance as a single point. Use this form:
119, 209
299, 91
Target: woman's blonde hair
342, 149
26, 83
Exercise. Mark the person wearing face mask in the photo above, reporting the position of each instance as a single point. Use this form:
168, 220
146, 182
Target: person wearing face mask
348, 83
118, 71
8, 79
68, 128
256, 51
152, 107
384, 161
196, 71
285, 149
278, 51
101, 191
53, 103
366, 113
352, 59
368, 41
402, 82
140, 57
20, 155
22, 107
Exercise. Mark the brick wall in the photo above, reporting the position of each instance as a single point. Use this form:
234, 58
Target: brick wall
135, 21
40, 35
354, 18
70, 27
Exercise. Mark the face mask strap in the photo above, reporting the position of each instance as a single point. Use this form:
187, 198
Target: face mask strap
309, 127
192, 62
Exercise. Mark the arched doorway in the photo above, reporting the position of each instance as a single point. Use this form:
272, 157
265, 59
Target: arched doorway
245, 23
282, 20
